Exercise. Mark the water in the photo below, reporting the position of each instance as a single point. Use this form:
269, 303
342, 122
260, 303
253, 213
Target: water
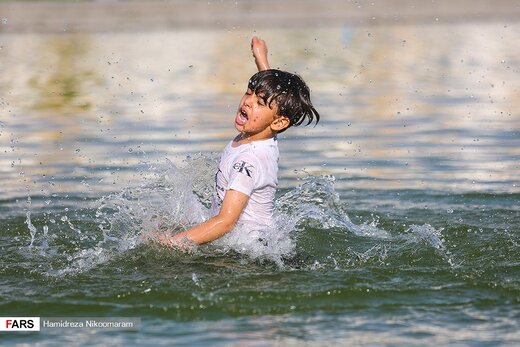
397, 216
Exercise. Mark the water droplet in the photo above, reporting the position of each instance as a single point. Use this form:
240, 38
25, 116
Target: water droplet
195, 279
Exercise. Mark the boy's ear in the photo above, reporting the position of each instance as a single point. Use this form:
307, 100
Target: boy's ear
280, 123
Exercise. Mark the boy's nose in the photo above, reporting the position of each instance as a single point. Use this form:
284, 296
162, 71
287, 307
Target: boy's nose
249, 101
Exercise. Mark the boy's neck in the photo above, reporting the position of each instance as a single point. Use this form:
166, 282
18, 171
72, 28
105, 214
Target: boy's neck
242, 138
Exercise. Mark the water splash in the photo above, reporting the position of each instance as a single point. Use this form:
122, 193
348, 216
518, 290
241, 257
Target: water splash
167, 199
32, 228
30, 225
259, 241
433, 238
312, 227
317, 204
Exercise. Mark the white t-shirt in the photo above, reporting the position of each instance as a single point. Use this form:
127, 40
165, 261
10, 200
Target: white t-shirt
251, 169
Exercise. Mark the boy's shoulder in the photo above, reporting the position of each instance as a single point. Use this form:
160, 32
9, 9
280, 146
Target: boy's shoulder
266, 149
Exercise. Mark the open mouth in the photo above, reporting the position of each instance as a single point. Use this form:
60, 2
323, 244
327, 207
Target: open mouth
241, 117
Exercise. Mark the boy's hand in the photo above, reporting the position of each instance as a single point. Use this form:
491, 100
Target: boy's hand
167, 240
259, 50
156, 236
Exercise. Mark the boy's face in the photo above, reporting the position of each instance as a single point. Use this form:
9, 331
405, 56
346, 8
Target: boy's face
255, 118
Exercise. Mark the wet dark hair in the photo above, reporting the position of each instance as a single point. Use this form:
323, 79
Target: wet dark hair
288, 92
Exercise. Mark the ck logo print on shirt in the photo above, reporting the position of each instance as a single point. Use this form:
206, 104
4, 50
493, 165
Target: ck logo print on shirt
244, 167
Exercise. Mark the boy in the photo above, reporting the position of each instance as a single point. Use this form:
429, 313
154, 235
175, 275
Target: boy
246, 179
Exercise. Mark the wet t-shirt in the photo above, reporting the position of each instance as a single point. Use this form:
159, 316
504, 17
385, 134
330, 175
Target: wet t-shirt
251, 169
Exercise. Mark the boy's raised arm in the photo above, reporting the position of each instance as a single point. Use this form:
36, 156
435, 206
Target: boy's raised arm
259, 50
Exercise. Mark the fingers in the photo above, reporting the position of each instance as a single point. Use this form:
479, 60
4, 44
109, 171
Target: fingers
156, 236
259, 50
148, 236
165, 240
258, 46
256, 40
